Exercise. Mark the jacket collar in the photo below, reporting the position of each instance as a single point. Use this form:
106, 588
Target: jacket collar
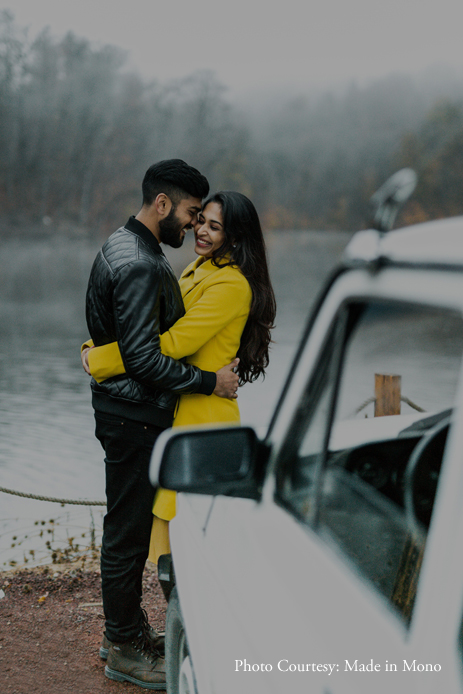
198, 270
137, 227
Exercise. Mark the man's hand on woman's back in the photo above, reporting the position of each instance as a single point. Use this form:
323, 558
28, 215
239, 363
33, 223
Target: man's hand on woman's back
227, 381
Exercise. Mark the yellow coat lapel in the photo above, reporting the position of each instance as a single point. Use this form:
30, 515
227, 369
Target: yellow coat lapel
196, 272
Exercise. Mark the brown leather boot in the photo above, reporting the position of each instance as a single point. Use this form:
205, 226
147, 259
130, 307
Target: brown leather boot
136, 662
156, 638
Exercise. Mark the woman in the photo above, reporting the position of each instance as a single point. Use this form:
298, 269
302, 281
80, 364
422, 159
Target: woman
229, 311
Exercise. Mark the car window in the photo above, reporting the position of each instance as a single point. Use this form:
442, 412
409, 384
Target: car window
366, 484
302, 451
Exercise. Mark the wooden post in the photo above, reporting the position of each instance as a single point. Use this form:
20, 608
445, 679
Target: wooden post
387, 394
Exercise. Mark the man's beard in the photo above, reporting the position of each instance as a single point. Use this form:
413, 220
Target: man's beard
170, 230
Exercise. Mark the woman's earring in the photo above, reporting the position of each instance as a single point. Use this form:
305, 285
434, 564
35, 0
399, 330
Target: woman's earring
234, 245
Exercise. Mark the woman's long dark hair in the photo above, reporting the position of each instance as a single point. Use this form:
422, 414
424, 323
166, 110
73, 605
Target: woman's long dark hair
244, 247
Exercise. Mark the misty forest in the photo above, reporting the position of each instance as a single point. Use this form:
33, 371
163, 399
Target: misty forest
78, 131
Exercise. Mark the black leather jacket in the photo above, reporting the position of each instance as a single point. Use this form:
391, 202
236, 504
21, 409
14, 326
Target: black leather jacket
133, 296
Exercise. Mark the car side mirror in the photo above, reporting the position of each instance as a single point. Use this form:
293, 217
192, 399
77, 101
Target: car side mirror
227, 460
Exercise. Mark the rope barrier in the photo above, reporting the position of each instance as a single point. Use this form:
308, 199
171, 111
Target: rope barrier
364, 404
412, 404
407, 401
76, 502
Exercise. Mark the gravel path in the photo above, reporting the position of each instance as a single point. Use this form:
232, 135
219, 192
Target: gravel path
51, 628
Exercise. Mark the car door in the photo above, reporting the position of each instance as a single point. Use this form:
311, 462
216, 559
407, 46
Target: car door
304, 590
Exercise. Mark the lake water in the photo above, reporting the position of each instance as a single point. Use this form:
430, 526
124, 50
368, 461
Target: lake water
47, 445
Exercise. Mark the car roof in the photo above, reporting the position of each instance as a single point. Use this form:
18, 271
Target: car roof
436, 243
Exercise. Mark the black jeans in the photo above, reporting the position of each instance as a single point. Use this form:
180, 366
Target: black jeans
127, 524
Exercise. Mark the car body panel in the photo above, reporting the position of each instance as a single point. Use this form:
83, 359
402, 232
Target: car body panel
430, 243
263, 629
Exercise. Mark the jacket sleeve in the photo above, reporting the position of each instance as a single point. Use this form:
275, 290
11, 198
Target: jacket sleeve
137, 296
219, 305
222, 301
105, 361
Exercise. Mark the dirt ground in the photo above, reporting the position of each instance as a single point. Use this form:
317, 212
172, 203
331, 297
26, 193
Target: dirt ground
51, 625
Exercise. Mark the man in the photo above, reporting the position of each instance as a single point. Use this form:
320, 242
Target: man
132, 297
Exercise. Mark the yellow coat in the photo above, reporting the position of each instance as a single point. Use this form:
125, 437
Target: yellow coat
217, 303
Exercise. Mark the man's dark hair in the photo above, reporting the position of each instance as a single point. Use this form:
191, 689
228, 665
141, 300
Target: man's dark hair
175, 178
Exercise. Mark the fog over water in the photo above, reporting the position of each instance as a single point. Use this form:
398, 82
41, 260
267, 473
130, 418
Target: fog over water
47, 445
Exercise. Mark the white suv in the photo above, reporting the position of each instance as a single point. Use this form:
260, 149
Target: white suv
327, 558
